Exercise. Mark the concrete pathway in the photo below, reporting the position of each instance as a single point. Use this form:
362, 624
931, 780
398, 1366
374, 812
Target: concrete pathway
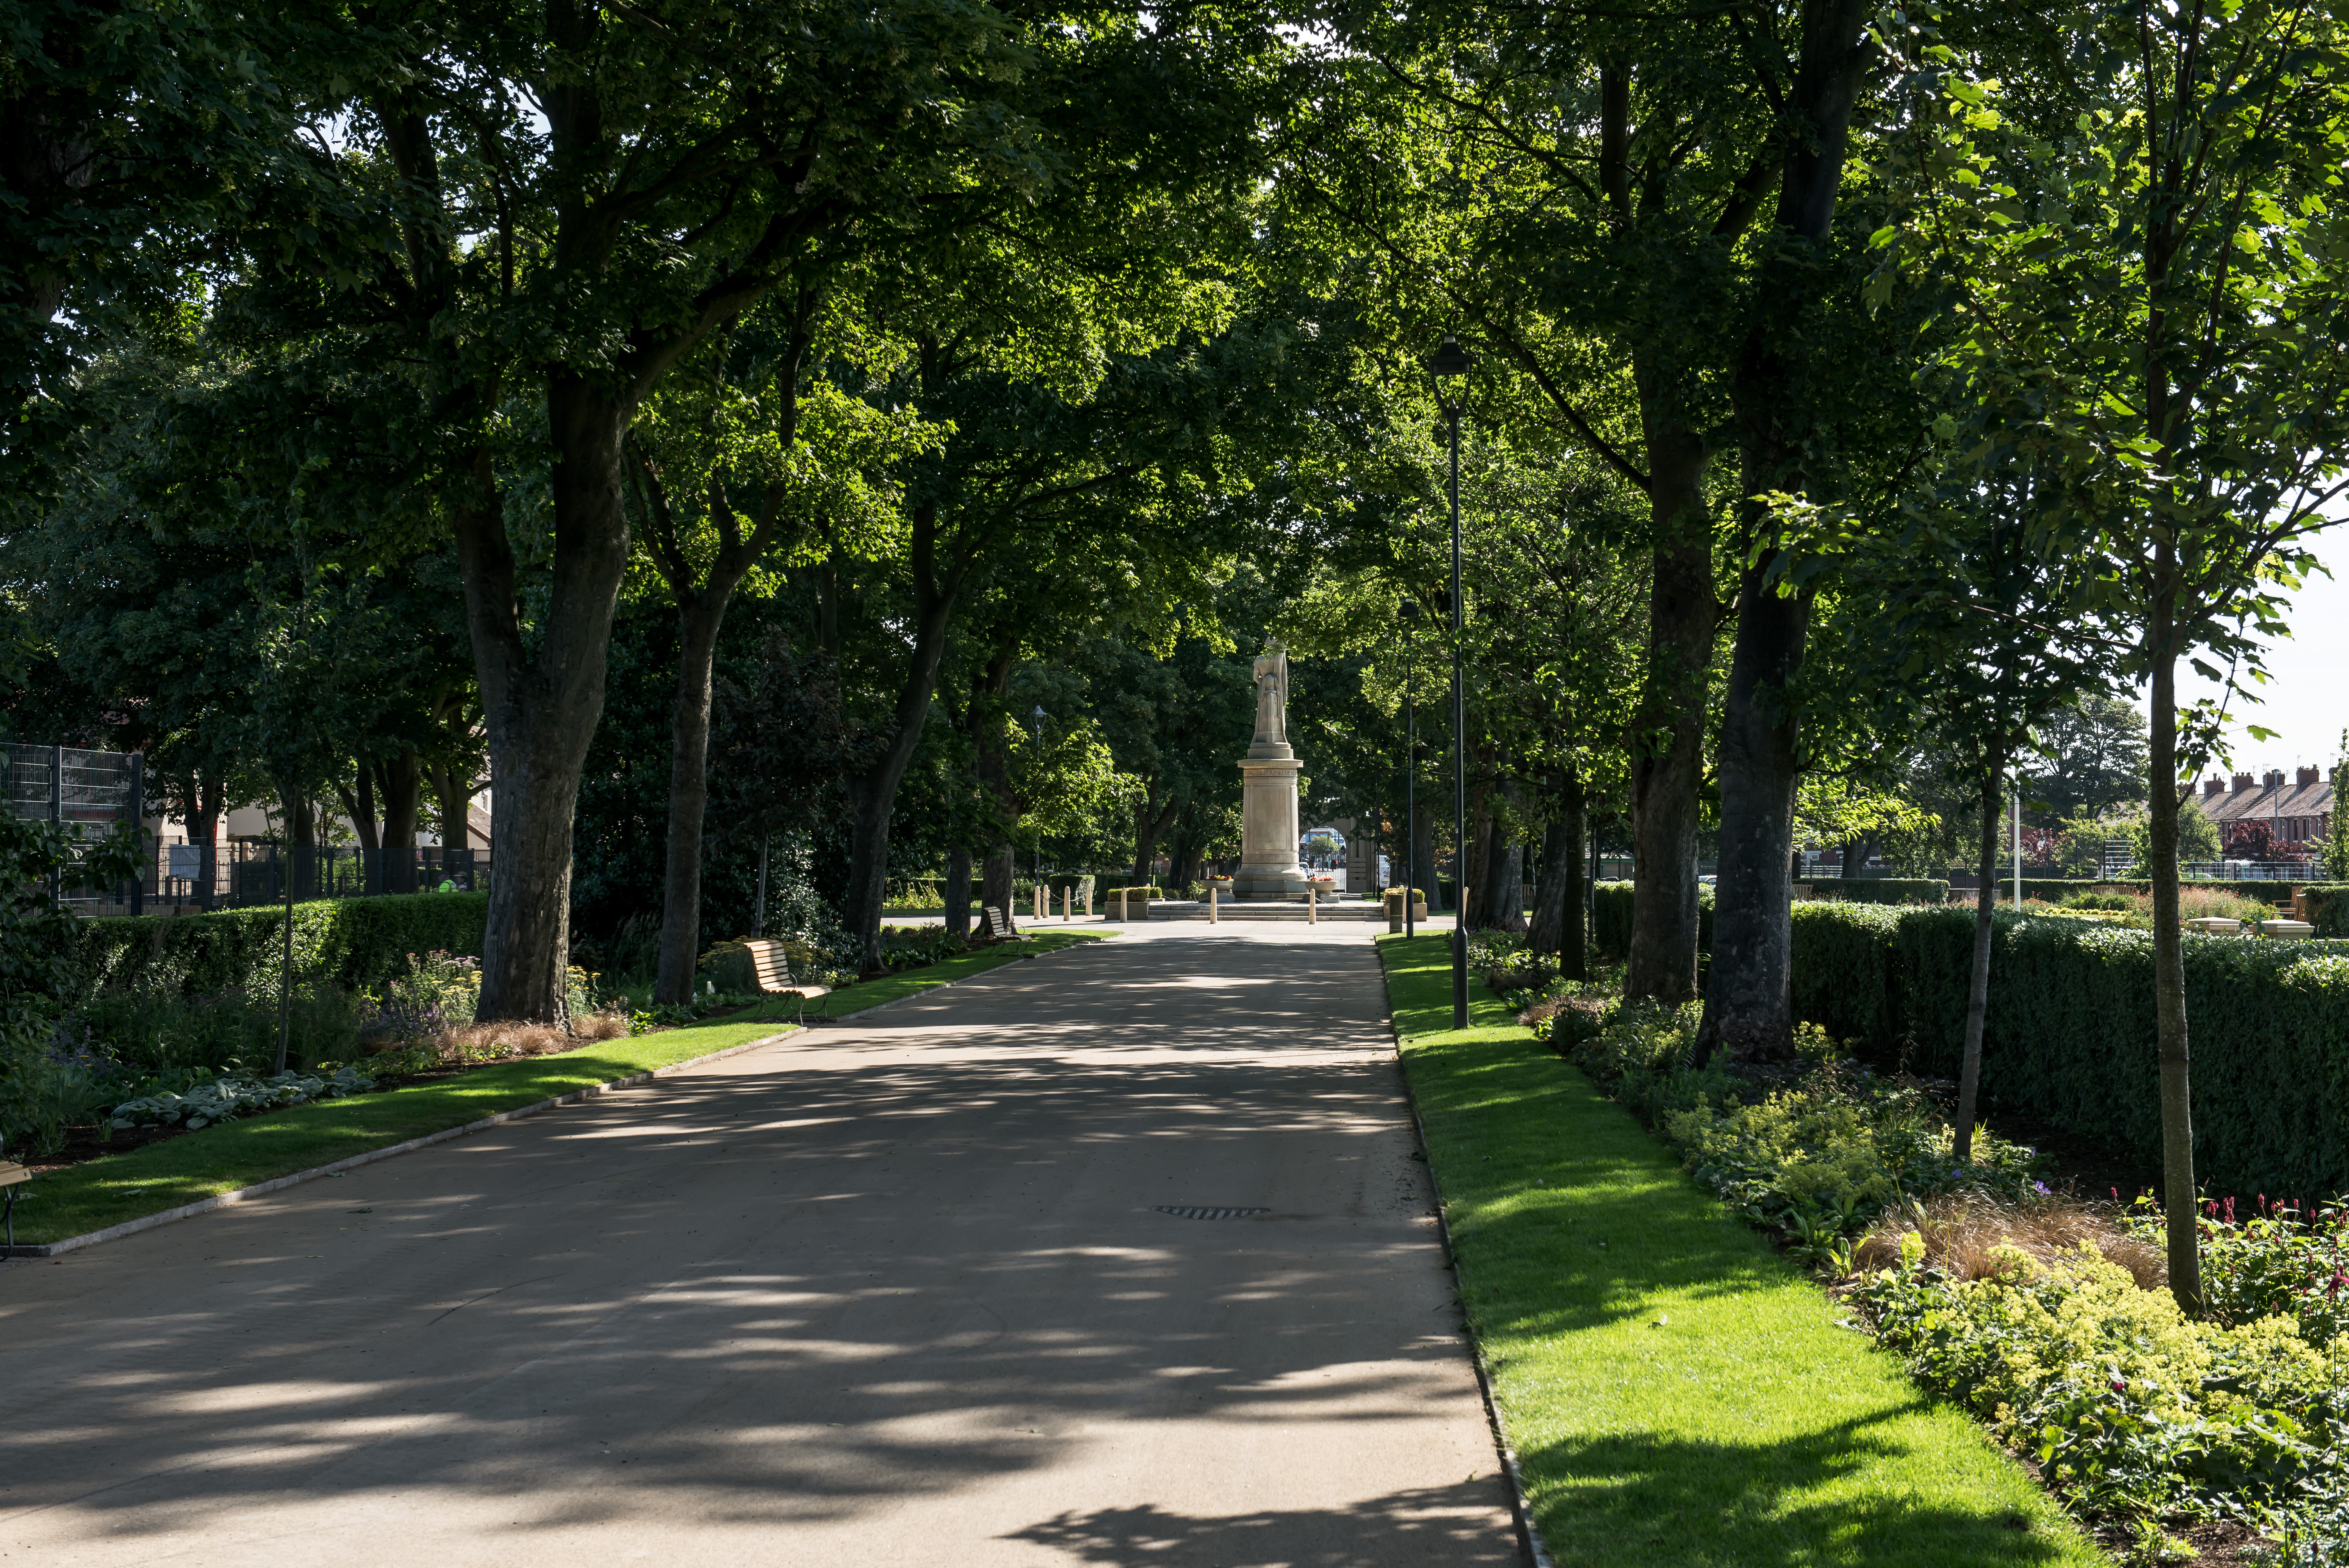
891, 1294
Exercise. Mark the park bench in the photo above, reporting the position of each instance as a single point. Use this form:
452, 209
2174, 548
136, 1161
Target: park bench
771, 974
12, 1176
998, 928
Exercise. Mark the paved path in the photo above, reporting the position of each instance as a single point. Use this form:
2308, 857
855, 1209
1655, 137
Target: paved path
895, 1293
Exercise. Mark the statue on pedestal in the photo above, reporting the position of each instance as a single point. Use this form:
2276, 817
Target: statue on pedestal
1272, 696
1268, 866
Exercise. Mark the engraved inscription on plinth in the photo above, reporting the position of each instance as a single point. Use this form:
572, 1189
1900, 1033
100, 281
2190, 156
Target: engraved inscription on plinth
1269, 864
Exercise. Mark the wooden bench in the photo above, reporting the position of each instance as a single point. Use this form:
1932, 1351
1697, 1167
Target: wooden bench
998, 928
12, 1175
771, 974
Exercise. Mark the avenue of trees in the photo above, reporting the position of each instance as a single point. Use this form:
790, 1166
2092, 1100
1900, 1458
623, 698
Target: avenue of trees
872, 441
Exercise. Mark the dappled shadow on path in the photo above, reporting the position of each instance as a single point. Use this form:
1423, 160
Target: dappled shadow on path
1445, 1525
806, 1284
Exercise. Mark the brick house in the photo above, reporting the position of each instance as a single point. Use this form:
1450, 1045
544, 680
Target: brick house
2300, 812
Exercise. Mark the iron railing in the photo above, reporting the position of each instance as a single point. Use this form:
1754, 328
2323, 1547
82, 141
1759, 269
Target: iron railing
233, 876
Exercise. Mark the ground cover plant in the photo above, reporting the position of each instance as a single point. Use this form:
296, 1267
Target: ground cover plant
1677, 1393
106, 1191
2049, 1318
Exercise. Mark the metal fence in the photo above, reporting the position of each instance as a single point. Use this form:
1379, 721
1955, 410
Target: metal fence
230, 876
87, 791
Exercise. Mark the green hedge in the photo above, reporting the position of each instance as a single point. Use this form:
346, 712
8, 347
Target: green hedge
2327, 910
359, 943
2069, 1036
1611, 918
1882, 890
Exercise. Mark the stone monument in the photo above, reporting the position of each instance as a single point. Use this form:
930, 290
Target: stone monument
1268, 866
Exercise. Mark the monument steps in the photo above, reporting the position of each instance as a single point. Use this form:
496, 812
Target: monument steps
1268, 909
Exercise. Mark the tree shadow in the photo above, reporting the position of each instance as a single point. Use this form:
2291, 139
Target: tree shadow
1446, 1525
1802, 1500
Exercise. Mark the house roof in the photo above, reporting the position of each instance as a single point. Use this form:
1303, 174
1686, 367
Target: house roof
2273, 795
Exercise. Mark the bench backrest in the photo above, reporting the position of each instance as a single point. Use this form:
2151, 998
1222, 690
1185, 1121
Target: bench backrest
997, 926
769, 966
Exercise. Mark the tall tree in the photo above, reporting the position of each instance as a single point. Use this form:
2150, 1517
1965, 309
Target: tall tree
2150, 262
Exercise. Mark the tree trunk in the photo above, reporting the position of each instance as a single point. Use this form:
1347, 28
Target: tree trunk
360, 807
874, 793
991, 749
540, 704
699, 618
1748, 1008
1546, 933
996, 879
1749, 996
2178, 1194
1423, 862
1503, 867
1574, 934
958, 891
1150, 825
207, 798
1667, 729
398, 789
1474, 868
1978, 979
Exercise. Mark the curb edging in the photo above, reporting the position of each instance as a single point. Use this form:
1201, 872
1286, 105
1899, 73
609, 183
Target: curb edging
409, 1146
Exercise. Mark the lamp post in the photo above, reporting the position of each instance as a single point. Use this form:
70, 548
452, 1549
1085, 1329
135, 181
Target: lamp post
1410, 610
1451, 364
1036, 715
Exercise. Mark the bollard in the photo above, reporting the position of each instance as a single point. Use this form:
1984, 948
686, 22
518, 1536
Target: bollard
1211, 904
1089, 898
1039, 901
1312, 904
1069, 901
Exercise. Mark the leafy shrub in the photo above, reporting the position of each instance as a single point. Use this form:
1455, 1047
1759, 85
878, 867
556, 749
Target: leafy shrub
438, 992
47, 1087
2325, 909
1884, 889
2133, 1412
359, 945
1818, 1152
150, 1032
227, 1098
2069, 1035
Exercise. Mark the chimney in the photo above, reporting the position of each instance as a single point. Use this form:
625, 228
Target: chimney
2306, 777
2212, 785
2275, 777
2242, 780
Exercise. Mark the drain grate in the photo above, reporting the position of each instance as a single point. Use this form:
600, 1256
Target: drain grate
1182, 1213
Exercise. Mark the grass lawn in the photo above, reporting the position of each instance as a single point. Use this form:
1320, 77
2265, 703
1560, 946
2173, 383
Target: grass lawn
1676, 1392
109, 1190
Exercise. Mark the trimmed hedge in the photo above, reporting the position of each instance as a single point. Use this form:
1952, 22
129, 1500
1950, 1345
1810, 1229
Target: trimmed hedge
2069, 1038
1883, 889
1611, 918
2327, 910
359, 943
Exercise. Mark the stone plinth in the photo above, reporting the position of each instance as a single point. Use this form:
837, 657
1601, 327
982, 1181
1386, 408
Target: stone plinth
1269, 864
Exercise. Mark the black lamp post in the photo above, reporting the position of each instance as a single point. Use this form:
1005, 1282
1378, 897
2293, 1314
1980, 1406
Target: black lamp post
1036, 715
1451, 365
1409, 608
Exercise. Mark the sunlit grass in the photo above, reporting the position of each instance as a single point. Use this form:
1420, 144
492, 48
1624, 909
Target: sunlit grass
1676, 1392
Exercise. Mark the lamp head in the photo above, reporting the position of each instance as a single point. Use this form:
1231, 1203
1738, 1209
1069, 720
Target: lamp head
1409, 608
1450, 358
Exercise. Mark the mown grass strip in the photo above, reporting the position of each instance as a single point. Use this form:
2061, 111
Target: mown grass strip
107, 1191
1676, 1392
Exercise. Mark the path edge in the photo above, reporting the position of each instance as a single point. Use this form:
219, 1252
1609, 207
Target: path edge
409, 1146
1530, 1533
